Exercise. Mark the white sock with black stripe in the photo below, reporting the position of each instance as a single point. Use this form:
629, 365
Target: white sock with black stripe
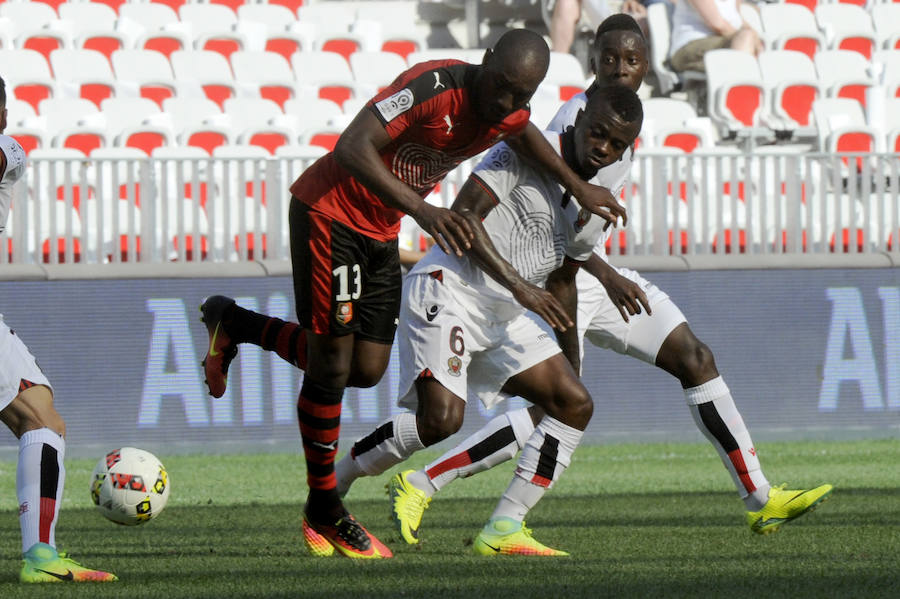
494, 443
546, 455
388, 445
718, 419
40, 479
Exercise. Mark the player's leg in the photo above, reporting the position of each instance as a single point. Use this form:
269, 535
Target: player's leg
40, 472
331, 306
718, 418
433, 380
554, 386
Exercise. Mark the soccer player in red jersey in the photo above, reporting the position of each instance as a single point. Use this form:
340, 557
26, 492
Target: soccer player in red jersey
344, 219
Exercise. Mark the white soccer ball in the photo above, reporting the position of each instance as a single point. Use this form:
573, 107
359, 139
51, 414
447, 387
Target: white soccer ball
130, 486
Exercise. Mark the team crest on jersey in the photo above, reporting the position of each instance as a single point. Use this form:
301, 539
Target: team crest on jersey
454, 366
584, 215
396, 104
344, 312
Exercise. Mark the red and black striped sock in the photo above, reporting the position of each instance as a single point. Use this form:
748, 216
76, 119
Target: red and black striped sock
319, 414
287, 339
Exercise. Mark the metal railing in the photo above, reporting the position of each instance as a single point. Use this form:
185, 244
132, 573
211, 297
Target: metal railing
229, 210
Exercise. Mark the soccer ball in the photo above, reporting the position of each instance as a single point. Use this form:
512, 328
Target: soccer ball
130, 486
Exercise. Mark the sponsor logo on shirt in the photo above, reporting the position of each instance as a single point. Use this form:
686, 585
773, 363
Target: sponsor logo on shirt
395, 105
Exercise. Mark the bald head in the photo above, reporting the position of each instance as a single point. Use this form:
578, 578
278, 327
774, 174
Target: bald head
522, 49
510, 73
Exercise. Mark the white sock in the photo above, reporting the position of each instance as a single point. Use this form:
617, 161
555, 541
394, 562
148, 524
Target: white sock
40, 478
388, 445
718, 418
546, 455
497, 441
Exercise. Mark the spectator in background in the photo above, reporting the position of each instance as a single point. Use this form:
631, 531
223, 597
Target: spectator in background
567, 14
702, 25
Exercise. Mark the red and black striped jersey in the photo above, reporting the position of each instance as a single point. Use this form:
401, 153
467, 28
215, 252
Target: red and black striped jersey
429, 114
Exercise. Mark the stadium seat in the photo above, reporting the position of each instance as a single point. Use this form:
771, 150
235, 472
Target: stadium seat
336, 15
566, 72
343, 43
791, 27
886, 19
137, 123
842, 126
660, 29
313, 111
84, 73
886, 65
326, 74
210, 69
267, 70
791, 85
261, 123
735, 89
892, 125
116, 177
151, 15
401, 31
322, 136
843, 74
213, 28
145, 72
184, 184
847, 27
27, 75
242, 171
59, 174
674, 124
376, 69
94, 27
33, 15
75, 123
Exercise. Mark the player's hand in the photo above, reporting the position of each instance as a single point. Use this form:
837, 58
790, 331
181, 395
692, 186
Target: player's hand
601, 202
449, 229
626, 295
544, 304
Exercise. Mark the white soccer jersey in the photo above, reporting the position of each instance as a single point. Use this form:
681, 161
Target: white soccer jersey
612, 177
534, 226
15, 168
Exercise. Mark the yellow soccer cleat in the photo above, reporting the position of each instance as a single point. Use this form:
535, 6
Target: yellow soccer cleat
785, 505
43, 564
408, 503
504, 536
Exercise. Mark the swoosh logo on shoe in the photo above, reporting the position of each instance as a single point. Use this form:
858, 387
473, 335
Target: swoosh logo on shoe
497, 549
67, 576
212, 342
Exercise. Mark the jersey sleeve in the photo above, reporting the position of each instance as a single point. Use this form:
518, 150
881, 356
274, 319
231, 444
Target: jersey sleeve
407, 100
498, 172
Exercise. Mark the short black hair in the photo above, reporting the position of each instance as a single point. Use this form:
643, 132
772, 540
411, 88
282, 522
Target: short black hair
2, 92
619, 22
623, 101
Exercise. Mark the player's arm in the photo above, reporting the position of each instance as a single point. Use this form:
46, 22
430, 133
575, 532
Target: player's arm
473, 203
623, 292
561, 283
357, 151
534, 147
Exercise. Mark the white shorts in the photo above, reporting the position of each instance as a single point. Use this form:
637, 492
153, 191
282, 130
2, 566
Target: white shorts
600, 322
16, 365
470, 356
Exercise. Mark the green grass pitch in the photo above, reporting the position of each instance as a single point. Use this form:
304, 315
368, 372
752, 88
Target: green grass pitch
655, 520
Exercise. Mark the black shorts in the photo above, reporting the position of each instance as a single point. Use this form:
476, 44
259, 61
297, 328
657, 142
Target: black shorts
344, 282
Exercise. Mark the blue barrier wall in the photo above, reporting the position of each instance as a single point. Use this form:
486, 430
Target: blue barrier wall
807, 353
